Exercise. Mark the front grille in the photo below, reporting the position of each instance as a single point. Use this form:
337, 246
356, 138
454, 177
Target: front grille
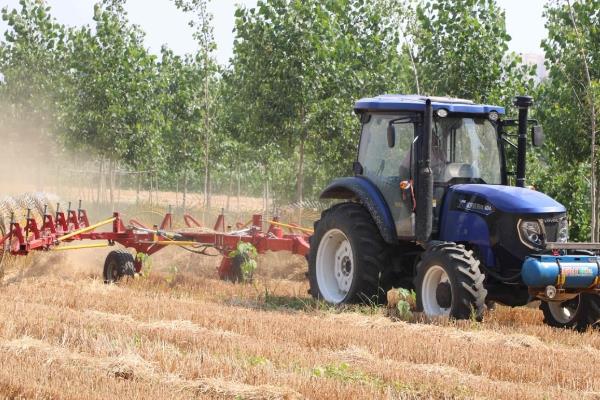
551, 231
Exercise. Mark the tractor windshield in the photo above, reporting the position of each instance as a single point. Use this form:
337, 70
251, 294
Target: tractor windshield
466, 148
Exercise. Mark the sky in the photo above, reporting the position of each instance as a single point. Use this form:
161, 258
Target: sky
164, 24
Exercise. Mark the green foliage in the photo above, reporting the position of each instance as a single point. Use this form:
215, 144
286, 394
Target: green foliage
569, 184
248, 254
567, 108
181, 79
343, 372
32, 67
110, 108
297, 68
407, 301
461, 50
147, 265
258, 361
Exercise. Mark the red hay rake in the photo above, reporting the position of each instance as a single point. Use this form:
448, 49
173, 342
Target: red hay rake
73, 225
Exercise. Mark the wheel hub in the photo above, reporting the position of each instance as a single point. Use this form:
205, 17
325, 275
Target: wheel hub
346, 266
443, 295
343, 266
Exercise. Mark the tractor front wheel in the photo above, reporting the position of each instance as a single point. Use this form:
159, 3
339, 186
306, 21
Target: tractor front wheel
579, 313
349, 260
119, 263
449, 283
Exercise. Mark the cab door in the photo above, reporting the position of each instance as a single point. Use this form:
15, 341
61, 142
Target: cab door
388, 166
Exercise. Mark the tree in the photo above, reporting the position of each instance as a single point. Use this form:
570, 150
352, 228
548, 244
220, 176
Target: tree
205, 37
111, 108
298, 67
181, 78
461, 50
32, 67
570, 97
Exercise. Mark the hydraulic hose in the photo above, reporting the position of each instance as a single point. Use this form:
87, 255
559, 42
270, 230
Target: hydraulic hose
503, 279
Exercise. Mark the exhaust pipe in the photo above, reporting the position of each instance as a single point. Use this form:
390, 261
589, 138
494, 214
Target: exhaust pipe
424, 220
523, 103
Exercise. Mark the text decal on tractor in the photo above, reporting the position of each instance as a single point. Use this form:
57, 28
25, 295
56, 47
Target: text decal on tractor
430, 208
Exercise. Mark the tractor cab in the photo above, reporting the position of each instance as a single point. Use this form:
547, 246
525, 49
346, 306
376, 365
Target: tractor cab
466, 147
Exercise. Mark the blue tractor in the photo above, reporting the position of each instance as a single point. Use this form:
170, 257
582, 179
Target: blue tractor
430, 208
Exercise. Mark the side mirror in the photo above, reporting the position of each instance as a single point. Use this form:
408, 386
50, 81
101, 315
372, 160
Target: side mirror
537, 136
391, 136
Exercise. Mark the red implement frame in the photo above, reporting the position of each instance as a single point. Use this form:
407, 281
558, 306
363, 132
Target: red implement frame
74, 226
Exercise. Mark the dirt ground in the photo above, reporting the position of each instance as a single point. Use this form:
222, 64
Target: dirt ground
181, 333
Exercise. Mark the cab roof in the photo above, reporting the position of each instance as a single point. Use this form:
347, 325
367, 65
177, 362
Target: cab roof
412, 102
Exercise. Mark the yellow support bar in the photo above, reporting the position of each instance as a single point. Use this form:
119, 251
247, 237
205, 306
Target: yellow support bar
85, 230
83, 246
307, 230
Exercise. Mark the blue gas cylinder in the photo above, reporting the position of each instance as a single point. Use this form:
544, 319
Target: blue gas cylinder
578, 271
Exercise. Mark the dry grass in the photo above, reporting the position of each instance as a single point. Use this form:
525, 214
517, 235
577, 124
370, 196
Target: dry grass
64, 334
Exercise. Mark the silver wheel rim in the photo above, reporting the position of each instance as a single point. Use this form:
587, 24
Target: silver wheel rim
335, 266
433, 277
564, 312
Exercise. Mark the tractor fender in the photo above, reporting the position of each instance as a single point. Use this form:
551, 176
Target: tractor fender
362, 190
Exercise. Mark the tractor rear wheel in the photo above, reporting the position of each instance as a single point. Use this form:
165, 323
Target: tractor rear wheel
449, 283
349, 260
579, 313
119, 263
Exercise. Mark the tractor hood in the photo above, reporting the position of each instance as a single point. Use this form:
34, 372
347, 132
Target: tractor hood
511, 199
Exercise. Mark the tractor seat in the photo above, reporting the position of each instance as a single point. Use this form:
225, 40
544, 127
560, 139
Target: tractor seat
459, 170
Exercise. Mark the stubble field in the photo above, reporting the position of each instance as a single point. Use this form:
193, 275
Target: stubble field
185, 334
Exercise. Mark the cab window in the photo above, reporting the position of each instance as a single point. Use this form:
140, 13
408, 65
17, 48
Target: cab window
376, 157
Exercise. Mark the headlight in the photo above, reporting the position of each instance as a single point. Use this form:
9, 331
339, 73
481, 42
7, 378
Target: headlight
563, 231
531, 234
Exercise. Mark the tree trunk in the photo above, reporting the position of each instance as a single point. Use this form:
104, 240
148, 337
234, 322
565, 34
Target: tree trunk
239, 187
267, 196
207, 136
177, 193
185, 188
210, 189
119, 180
264, 198
100, 176
139, 188
156, 188
300, 175
150, 190
594, 188
229, 190
111, 183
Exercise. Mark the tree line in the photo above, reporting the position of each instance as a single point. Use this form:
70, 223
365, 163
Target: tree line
279, 115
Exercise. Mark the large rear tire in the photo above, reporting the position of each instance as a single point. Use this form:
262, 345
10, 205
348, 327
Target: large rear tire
449, 283
349, 261
580, 313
